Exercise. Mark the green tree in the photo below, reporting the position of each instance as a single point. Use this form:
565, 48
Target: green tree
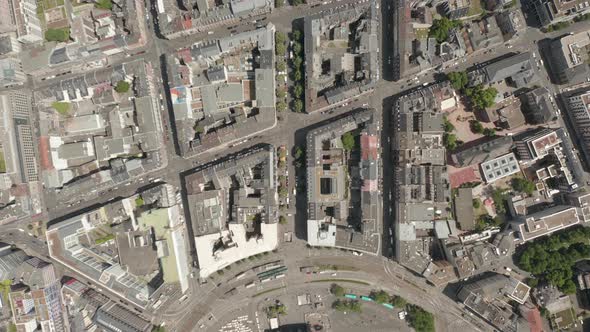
458, 79
523, 185
420, 319
532, 282
447, 125
279, 3
281, 92
298, 152
398, 301
297, 48
551, 259
489, 132
297, 76
476, 127
276, 310
450, 141
58, 35
297, 62
298, 2
337, 290
481, 98
347, 141
380, 296
297, 35
499, 195
298, 106
486, 221
280, 43
104, 4
281, 65
122, 86
440, 28
348, 306
298, 91
476, 203
281, 106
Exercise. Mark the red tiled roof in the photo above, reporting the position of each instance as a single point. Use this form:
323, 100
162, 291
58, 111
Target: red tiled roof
462, 176
369, 147
534, 319
44, 153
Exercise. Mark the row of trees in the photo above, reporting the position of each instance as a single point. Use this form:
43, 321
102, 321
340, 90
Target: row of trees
551, 259
280, 51
347, 305
418, 318
477, 128
298, 71
449, 138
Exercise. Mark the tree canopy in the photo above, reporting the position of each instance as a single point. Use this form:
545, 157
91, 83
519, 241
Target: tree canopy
480, 97
450, 141
476, 127
447, 125
298, 106
440, 28
122, 86
350, 306
280, 43
489, 132
348, 141
458, 79
420, 319
337, 290
398, 301
380, 296
551, 259
523, 186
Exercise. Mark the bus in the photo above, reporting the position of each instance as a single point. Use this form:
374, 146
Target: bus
350, 296
388, 305
366, 298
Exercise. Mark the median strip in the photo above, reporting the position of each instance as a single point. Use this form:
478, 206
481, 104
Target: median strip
341, 280
268, 291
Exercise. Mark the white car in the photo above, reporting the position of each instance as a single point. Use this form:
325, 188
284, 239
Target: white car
356, 253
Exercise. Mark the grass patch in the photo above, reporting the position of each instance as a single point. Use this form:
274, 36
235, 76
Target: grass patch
104, 4
104, 239
139, 201
58, 35
333, 267
5, 289
342, 280
475, 8
61, 107
2, 162
267, 291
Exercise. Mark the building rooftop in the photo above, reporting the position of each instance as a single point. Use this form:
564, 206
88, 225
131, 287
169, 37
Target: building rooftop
231, 223
482, 152
547, 221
